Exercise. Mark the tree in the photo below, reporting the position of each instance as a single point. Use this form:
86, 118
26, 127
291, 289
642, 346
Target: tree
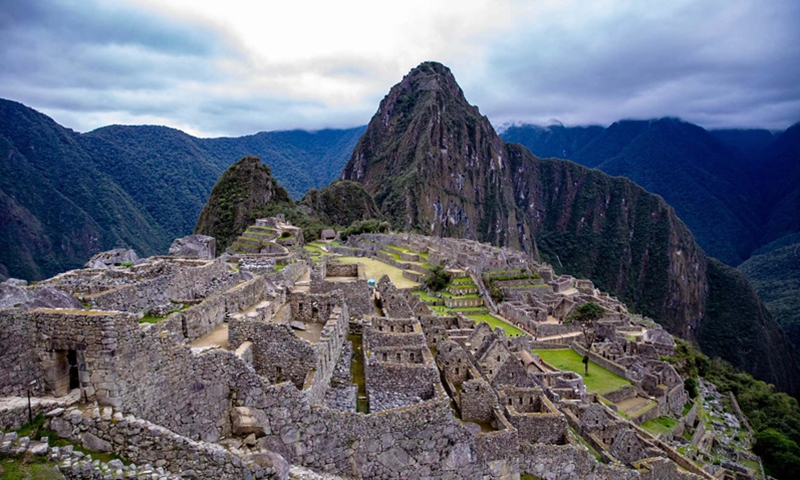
497, 294
437, 278
585, 315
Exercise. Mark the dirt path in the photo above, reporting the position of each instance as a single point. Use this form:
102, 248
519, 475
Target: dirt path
218, 336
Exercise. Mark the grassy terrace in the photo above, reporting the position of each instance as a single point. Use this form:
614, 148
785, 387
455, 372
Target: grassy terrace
599, 379
659, 425
376, 269
425, 297
495, 322
394, 255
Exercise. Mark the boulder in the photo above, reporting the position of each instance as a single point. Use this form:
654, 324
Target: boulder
194, 246
246, 421
13, 296
17, 282
110, 258
272, 460
49, 297
95, 443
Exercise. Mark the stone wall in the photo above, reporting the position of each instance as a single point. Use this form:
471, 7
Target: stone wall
19, 362
143, 442
278, 353
138, 297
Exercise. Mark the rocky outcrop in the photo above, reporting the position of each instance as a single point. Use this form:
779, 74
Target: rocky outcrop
111, 258
435, 164
194, 246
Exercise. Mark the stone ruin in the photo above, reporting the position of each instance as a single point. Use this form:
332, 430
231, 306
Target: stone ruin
210, 370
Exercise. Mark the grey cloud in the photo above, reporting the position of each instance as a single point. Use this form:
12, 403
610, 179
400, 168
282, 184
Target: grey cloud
718, 63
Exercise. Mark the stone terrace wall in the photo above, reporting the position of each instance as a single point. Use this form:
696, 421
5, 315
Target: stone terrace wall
138, 297
143, 442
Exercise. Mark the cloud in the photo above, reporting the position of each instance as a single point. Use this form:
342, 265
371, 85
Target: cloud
234, 68
717, 63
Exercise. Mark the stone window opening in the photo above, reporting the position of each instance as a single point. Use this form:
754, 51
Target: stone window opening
456, 370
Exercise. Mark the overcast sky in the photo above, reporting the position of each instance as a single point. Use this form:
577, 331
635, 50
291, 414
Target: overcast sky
227, 67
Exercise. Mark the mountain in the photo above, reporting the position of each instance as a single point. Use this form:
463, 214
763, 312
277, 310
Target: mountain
779, 183
239, 197
775, 275
340, 203
65, 196
435, 164
750, 144
704, 180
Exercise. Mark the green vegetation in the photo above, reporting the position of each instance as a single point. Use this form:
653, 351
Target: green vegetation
279, 267
149, 318
659, 425
437, 279
364, 226
774, 416
598, 380
341, 203
36, 430
494, 322
585, 315
775, 276
29, 468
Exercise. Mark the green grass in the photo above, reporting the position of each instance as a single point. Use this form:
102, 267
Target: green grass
425, 297
156, 319
394, 255
278, 268
29, 468
599, 379
659, 425
495, 322
399, 249
423, 255
753, 465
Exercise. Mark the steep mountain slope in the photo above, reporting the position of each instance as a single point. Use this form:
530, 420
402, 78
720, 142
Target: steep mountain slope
341, 203
751, 144
775, 275
780, 184
58, 208
239, 197
435, 164
706, 182
65, 196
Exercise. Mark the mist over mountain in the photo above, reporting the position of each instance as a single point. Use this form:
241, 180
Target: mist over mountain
65, 196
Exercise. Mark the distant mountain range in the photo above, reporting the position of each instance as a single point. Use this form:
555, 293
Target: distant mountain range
737, 190
65, 196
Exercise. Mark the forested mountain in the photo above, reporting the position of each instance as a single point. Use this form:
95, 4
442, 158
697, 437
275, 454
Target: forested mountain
434, 164
65, 196
737, 190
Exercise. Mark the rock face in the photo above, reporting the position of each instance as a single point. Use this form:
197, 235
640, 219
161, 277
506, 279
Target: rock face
110, 258
435, 164
194, 246
241, 195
